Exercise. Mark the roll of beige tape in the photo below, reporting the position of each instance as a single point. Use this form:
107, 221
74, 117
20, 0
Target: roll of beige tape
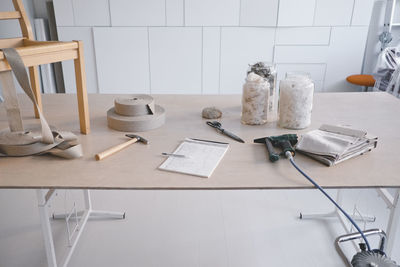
136, 105
136, 123
19, 138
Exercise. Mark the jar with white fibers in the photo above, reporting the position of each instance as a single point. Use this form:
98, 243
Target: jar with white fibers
255, 100
268, 72
295, 101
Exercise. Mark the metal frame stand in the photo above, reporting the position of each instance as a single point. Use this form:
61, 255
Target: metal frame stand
336, 212
392, 203
392, 228
44, 197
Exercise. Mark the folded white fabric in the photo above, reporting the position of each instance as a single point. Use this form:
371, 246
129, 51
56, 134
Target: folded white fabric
333, 144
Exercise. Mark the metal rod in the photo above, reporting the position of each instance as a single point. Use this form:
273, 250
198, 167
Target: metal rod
88, 201
80, 227
46, 228
386, 196
393, 222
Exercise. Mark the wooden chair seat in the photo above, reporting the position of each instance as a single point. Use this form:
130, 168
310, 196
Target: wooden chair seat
35, 53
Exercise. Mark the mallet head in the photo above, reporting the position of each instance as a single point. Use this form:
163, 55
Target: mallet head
139, 138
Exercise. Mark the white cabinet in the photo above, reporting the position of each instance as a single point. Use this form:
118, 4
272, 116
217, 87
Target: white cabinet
122, 60
175, 60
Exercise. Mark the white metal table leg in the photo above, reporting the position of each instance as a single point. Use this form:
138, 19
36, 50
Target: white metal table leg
393, 204
44, 197
94, 214
46, 227
79, 230
88, 201
332, 214
393, 223
335, 212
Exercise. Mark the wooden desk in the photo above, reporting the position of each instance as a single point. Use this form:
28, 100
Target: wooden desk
245, 166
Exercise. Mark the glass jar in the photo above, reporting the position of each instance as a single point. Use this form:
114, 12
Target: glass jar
295, 100
268, 71
255, 100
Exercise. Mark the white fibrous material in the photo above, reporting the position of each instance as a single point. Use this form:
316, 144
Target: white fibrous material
255, 100
295, 103
268, 72
273, 104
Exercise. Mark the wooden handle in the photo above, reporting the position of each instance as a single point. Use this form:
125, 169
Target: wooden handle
115, 149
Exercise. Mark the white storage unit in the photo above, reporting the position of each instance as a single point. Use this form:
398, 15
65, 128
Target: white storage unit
120, 67
175, 66
193, 46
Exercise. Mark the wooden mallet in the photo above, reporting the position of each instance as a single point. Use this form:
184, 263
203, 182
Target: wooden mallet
115, 149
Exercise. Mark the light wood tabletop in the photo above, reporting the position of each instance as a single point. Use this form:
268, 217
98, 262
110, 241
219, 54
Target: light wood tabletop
245, 166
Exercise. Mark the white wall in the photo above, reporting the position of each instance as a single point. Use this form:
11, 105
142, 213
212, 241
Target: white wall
204, 46
10, 28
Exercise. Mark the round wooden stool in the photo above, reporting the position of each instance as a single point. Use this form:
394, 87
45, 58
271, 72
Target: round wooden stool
361, 79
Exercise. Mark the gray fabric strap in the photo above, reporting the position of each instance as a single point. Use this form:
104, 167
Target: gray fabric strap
18, 67
11, 102
30, 142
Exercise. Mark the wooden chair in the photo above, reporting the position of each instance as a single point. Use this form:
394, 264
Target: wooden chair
35, 53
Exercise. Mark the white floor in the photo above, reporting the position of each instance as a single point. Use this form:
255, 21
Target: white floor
187, 228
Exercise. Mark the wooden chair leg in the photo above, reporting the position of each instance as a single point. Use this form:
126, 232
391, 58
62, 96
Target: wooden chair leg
81, 91
35, 84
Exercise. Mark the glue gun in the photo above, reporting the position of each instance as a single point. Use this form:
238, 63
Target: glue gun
285, 142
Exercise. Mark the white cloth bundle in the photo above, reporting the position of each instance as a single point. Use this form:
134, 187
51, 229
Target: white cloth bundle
333, 144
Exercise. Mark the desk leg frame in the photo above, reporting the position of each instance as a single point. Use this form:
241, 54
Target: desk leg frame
336, 212
44, 197
393, 204
46, 227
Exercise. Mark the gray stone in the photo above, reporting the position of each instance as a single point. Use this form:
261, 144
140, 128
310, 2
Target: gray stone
211, 113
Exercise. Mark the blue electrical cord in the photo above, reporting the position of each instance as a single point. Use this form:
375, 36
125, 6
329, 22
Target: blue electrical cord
329, 197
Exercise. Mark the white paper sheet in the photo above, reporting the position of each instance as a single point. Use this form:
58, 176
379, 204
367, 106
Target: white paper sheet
201, 158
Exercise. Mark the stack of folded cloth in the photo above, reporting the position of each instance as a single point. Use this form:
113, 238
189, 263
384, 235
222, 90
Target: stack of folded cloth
333, 144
